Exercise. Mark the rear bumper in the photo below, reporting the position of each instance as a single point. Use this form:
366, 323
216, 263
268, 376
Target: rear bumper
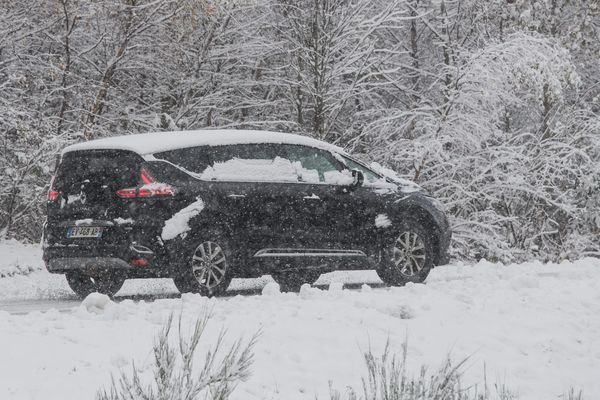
90, 264
93, 259
98, 265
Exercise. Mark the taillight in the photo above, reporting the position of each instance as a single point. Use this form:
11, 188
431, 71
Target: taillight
139, 262
127, 193
146, 177
150, 188
52, 194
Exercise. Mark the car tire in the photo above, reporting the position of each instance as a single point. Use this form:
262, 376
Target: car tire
206, 267
83, 284
407, 253
291, 281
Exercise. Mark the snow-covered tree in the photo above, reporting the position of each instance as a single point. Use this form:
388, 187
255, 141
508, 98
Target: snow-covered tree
492, 105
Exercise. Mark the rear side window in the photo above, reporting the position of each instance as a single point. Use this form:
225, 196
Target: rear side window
266, 162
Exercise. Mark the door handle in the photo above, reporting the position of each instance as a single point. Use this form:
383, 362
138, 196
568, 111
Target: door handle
236, 196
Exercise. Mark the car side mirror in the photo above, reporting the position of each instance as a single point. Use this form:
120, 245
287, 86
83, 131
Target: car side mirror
359, 178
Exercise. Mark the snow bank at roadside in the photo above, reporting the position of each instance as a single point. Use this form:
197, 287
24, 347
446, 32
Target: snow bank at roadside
534, 326
19, 259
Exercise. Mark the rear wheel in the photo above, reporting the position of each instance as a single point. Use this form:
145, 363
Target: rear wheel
206, 269
291, 281
407, 256
83, 284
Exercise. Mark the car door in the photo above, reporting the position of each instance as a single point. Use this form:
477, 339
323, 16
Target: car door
325, 202
369, 202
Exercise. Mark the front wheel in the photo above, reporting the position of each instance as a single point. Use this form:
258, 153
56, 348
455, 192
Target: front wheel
407, 256
206, 269
83, 284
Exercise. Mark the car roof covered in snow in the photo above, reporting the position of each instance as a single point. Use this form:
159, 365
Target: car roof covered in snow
150, 143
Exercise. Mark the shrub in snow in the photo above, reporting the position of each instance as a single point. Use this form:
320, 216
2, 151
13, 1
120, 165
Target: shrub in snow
387, 379
174, 372
573, 395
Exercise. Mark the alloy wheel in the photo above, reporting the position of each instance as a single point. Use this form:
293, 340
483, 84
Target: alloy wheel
409, 253
209, 265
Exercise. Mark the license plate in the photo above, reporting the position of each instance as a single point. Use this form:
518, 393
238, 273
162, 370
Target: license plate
84, 232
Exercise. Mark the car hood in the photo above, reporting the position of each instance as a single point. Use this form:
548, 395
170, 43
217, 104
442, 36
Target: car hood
403, 185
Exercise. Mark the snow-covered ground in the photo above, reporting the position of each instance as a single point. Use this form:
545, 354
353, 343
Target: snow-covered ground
535, 328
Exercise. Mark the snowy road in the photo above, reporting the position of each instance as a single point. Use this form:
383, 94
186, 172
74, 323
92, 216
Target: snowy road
535, 328
41, 291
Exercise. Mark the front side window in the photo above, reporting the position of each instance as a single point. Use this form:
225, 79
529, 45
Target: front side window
370, 176
264, 162
317, 165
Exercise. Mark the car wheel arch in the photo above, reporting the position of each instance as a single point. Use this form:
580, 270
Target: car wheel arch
415, 212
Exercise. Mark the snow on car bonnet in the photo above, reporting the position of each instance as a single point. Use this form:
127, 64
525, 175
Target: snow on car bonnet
149, 143
406, 186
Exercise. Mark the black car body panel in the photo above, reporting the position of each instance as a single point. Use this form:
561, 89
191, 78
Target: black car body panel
130, 195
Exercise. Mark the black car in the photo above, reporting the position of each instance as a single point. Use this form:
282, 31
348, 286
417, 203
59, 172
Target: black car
203, 207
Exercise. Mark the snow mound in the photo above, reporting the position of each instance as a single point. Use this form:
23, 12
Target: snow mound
19, 259
307, 291
271, 289
96, 303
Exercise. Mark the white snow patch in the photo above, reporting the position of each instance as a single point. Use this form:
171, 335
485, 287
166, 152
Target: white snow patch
178, 223
339, 177
264, 170
307, 291
271, 289
95, 303
406, 186
336, 286
533, 326
123, 221
382, 221
86, 221
382, 186
277, 170
75, 198
19, 259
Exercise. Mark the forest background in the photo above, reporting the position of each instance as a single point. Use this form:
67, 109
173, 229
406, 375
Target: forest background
493, 106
